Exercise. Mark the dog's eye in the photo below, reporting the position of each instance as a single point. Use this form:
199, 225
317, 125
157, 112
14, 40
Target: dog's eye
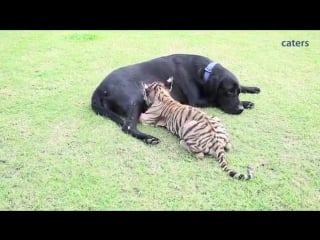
231, 92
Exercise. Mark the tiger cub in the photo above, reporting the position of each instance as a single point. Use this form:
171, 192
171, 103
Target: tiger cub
199, 133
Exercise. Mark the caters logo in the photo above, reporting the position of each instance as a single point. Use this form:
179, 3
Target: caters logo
294, 43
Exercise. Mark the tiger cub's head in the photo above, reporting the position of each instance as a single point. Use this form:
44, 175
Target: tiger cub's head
155, 90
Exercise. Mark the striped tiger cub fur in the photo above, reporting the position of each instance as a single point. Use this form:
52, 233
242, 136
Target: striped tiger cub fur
199, 133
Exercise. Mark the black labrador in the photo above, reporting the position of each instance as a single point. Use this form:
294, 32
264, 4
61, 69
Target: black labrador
197, 81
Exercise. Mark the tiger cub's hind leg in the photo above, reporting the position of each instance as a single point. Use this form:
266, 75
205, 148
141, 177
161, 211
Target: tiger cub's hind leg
147, 119
213, 153
227, 147
198, 155
161, 122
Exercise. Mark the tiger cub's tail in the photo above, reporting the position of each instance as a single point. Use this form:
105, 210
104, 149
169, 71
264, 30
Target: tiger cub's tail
232, 173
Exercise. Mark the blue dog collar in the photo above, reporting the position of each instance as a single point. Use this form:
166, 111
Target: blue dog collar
208, 70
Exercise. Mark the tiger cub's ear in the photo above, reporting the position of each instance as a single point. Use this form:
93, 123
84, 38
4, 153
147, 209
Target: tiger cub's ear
145, 86
168, 83
145, 89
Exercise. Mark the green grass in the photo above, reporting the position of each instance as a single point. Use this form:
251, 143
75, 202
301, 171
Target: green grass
56, 154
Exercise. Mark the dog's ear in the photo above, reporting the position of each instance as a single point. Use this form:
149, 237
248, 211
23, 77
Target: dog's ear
168, 83
214, 83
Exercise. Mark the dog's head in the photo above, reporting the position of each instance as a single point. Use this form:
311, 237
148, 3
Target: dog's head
222, 88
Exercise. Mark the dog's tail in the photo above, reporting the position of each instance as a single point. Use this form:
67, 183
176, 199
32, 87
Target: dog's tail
97, 102
100, 106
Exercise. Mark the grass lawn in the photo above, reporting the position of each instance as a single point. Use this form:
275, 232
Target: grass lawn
56, 154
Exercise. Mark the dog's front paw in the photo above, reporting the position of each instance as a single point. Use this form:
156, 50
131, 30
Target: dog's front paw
255, 90
247, 105
152, 140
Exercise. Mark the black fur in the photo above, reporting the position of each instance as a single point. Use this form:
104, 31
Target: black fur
121, 92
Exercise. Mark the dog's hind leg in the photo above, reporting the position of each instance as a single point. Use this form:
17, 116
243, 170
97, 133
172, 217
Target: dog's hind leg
130, 125
101, 107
